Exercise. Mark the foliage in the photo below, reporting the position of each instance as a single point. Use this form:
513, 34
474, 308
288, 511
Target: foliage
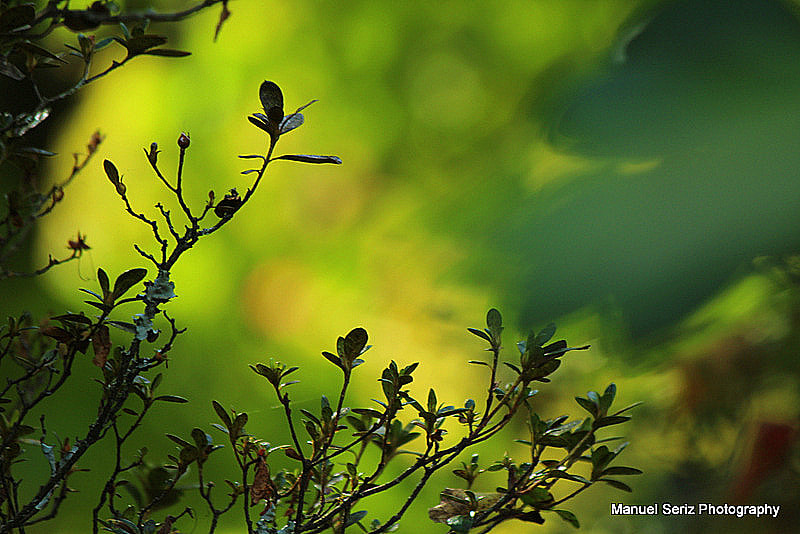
24, 57
333, 473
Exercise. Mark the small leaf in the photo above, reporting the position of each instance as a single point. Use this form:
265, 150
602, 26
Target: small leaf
259, 123
611, 420
494, 320
293, 454
140, 43
537, 497
431, 400
171, 398
92, 293
332, 358
355, 517
587, 405
625, 409
111, 171
569, 517
57, 333
73, 318
355, 342
557, 473
167, 52
201, 439
102, 277
546, 333
290, 122
480, 333
238, 425
306, 158
127, 280
36, 49
270, 95
608, 398
178, 440
619, 470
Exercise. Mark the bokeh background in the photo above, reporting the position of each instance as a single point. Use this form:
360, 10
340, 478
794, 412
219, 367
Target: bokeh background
627, 169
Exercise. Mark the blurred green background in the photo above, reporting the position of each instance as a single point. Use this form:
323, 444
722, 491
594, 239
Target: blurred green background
627, 169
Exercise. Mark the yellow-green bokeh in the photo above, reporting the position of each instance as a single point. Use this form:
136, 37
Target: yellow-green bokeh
443, 114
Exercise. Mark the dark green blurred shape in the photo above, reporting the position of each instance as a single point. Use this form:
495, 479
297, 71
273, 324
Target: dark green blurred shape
709, 94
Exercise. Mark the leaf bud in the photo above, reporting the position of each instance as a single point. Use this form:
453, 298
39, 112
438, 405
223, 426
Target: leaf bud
183, 141
153, 154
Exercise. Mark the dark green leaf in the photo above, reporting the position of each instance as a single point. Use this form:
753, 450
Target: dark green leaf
36, 49
557, 473
126, 280
270, 95
622, 471
546, 333
310, 415
290, 122
332, 358
103, 43
171, 398
238, 425
355, 342
140, 43
569, 517
537, 497
92, 293
587, 405
102, 278
480, 333
167, 52
201, 439
355, 517
293, 454
494, 320
178, 440
625, 409
73, 318
611, 420
111, 171
608, 398
431, 400
259, 123
306, 158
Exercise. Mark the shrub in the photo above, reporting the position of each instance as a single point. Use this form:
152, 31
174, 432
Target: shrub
332, 480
